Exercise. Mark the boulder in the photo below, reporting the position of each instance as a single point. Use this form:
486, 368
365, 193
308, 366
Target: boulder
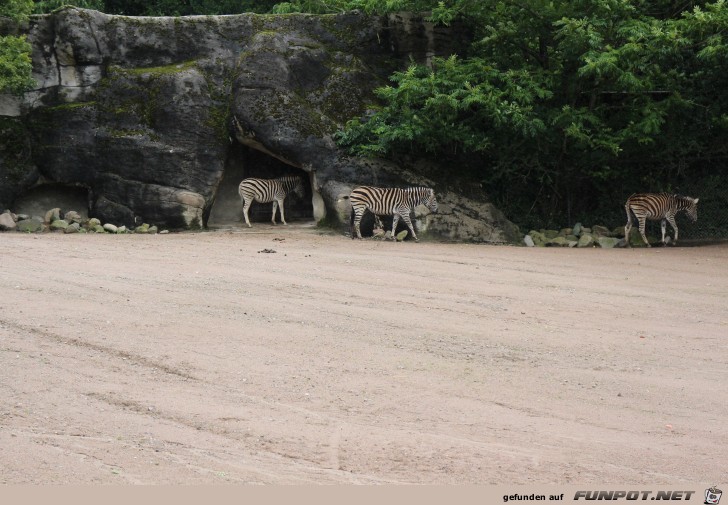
52, 215
111, 228
539, 239
31, 225
585, 240
58, 224
73, 217
607, 242
7, 223
528, 240
601, 231
558, 242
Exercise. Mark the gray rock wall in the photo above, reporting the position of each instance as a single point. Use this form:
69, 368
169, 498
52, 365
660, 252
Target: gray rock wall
145, 113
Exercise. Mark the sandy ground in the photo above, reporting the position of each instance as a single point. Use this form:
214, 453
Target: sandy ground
197, 358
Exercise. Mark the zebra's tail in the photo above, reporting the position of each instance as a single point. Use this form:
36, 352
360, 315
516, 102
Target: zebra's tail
351, 224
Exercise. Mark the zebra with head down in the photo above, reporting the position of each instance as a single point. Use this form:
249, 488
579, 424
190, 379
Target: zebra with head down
397, 202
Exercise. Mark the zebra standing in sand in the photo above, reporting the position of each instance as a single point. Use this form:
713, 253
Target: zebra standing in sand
395, 202
658, 206
268, 190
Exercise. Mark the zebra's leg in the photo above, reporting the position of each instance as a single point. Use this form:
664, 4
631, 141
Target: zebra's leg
406, 219
663, 227
283, 217
246, 206
642, 230
395, 220
628, 226
358, 214
275, 206
671, 220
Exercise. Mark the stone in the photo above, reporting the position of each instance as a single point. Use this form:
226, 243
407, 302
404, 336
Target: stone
576, 230
585, 240
558, 242
607, 242
7, 223
550, 234
58, 224
143, 228
402, 235
52, 215
31, 225
539, 239
528, 240
152, 230
111, 228
93, 222
601, 231
98, 229
72, 228
73, 217
121, 229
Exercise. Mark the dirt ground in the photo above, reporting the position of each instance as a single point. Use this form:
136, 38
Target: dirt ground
200, 358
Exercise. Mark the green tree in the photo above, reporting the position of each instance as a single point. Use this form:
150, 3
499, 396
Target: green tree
560, 108
15, 63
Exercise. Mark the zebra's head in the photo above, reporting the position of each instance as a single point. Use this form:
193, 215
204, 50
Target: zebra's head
293, 184
692, 208
431, 201
298, 188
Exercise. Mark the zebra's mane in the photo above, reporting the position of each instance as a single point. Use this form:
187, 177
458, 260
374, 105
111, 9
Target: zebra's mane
289, 180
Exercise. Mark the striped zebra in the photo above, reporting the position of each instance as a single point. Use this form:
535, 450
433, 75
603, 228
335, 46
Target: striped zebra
658, 206
268, 190
397, 202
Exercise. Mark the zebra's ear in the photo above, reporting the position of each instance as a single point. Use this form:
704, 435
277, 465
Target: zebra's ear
696, 200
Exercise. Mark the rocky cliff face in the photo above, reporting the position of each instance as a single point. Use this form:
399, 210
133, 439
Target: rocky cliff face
160, 118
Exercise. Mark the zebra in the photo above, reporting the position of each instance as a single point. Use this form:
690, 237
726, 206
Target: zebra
268, 190
397, 202
658, 206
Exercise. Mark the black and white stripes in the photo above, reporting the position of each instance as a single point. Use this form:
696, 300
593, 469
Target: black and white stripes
268, 190
658, 206
397, 202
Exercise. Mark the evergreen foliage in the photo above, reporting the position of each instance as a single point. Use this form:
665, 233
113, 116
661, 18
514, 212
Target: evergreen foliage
15, 64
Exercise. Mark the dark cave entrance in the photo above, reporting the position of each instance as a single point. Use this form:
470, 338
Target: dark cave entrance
243, 162
38, 200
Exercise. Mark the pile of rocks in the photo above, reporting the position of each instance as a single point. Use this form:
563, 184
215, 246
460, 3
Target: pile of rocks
68, 222
581, 236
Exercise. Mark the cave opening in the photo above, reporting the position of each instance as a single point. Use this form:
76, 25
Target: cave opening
243, 162
39, 199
